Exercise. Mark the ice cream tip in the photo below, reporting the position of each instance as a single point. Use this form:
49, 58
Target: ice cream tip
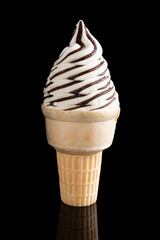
80, 79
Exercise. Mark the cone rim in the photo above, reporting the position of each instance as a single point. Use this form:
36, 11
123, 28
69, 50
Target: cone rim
80, 116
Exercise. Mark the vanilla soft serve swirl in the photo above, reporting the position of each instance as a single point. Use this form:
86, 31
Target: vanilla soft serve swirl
80, 79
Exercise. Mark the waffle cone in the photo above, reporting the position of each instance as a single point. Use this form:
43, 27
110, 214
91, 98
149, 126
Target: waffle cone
79, 178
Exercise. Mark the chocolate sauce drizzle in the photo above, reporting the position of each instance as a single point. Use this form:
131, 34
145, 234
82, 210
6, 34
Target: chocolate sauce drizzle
49, 94
79, 41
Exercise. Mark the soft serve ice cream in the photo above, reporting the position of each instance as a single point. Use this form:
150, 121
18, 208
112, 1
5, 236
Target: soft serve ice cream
80, 79
81, 108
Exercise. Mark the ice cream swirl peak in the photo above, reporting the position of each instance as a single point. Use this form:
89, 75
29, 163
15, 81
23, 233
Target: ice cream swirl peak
80, 79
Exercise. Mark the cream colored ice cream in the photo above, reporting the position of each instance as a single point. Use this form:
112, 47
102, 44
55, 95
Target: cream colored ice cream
81, 108
80, 78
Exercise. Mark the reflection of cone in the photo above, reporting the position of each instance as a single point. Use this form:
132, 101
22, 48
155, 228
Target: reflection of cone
77, 223
79, 138
79, 178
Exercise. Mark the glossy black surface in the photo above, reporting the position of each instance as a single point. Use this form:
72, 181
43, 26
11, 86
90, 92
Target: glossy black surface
77, 223
34, 203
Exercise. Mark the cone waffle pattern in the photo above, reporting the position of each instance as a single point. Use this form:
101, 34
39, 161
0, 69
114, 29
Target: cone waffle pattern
79, 178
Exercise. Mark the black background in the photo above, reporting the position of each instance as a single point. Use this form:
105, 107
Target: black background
39, 34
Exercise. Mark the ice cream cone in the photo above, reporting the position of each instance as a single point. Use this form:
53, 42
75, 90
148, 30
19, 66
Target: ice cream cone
81, 107
79, 138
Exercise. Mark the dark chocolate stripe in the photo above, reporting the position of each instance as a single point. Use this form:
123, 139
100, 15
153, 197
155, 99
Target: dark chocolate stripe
48, 96
53, 69
47, 85
61, 72
64, 86
89, 85
95, 96
101, 74
107, 104
90, 54
84, 103
67, 98
71, 53
78, 41
86, 71
111, 96
64, 71
77, 75
104, 86
79, 35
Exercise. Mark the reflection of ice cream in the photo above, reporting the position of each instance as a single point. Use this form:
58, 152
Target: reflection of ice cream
81, 107
80, 79
77, 223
